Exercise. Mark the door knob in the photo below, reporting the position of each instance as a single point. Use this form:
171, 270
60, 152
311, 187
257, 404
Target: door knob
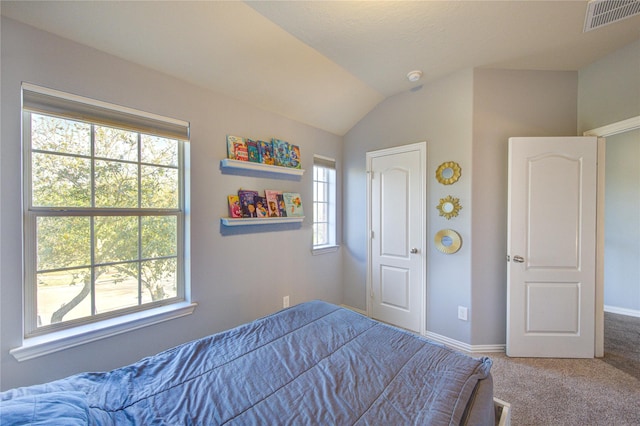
414, 250
518, 259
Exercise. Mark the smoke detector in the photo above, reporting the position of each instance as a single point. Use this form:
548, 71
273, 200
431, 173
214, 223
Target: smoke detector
605, 12
414, 76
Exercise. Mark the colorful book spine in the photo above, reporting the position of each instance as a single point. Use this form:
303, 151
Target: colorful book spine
252, 151
281, 153
241, 152
247, 202
272, 202
293, 204
266, 152
281, 206
231, 145
294, 157
261, 207
234, 206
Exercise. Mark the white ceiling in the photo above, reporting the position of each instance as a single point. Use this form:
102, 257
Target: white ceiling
328, 63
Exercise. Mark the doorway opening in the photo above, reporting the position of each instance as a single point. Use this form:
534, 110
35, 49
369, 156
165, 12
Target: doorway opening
618, 287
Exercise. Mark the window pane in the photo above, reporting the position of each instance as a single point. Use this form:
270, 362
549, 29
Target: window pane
321, 213
321, 238
63, 296
159, 236
322, 192
60, 135
62, 242
320, 173
100, 246
116, 144
60, 181
159, 280
157, 150
116, 238
159, 187
116, 287
116, 184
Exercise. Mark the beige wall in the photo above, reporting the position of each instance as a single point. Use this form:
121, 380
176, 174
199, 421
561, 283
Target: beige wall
506, 103
466, 117
236, 275
609, 91
439, 113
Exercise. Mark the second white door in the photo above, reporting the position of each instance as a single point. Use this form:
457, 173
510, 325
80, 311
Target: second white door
397, 227
552, 247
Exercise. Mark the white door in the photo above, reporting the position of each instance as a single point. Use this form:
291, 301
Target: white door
397, 234
551, 247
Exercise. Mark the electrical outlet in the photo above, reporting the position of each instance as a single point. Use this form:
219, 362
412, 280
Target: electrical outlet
285, 302
462, 313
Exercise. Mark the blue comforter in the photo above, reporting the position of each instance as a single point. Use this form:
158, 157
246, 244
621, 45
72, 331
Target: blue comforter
314, 363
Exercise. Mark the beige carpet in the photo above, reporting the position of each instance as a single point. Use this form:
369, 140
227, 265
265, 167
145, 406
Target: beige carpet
622, 343
566, 391
557, 392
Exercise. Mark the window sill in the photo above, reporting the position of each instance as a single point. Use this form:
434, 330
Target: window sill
324, 249
34, 347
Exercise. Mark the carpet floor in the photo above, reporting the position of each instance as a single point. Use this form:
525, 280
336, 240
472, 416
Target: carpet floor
622, 343
600, 391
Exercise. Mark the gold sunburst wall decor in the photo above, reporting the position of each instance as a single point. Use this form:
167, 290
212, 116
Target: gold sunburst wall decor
449, 207
447, 241
448, 172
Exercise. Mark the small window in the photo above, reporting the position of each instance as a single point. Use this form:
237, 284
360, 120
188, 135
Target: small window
104, 211
324, 204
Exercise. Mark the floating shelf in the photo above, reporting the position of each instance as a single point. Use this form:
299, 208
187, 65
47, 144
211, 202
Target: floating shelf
228, 163
230, 221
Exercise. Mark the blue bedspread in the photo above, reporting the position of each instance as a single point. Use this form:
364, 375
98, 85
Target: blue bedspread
314, 363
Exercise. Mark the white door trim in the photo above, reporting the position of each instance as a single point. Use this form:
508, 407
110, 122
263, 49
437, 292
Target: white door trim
627, 125
422, 147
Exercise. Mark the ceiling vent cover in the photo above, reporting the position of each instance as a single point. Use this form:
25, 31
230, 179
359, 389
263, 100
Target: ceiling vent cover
605, 12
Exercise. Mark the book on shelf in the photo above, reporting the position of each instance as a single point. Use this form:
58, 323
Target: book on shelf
294, 157
261, 207
248, 202
281, 153
281, 206
252, 151
241, 152
293, 204
272, 202
235, 210
266, 152
232, 143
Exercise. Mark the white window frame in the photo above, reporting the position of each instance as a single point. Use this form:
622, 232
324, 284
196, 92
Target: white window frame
329, 205
36, 342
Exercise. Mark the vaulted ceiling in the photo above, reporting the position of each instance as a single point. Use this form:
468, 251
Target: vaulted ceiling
328, 63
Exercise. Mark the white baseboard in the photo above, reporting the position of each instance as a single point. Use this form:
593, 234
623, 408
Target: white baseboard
454, 344
465, 347
622, 311
360, 311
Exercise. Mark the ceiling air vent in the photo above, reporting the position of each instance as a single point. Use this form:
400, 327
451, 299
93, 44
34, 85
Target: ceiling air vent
605, 12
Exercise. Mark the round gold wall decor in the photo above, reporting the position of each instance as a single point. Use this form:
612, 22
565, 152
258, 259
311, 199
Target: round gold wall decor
449, 207
448, 241
448, 172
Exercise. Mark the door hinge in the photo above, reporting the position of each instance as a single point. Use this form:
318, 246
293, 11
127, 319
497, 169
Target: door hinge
372, 235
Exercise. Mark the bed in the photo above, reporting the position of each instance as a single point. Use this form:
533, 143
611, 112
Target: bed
314, 363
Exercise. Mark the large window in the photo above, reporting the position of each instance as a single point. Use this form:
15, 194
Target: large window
324, 204
104, 211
